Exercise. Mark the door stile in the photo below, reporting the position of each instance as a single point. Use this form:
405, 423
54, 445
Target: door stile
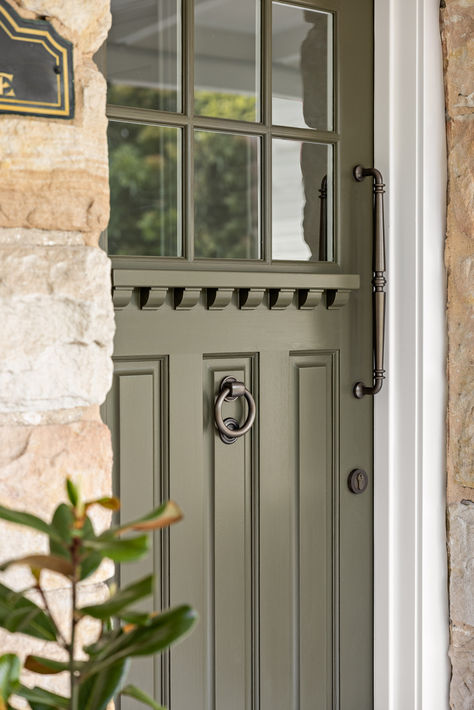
190, 553
278, 655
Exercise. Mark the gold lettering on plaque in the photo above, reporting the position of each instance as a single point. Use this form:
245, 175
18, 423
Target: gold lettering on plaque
6, 88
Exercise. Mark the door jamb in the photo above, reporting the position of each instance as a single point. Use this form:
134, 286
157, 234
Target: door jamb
411, 667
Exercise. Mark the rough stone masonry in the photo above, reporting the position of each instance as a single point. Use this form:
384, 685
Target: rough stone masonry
457, 25
57, 319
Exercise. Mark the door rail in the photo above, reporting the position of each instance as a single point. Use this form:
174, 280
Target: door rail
277, 291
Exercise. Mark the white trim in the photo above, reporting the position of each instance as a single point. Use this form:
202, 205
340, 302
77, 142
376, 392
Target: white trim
411, 611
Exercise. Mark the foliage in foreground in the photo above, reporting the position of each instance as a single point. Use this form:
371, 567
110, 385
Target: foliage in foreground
76, 552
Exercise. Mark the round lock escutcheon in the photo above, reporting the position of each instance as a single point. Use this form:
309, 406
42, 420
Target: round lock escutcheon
358, 481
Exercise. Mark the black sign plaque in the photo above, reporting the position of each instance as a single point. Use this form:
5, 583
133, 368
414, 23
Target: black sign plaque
36, 70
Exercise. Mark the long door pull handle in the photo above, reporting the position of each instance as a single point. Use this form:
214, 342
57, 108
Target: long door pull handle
229, 429
378, 281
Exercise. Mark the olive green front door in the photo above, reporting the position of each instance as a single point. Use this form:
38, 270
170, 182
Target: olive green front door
241, 247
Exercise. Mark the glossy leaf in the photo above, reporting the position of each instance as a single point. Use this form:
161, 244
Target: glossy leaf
162, 631
166, 514
62, 524
132, 691
72, 492
42, 562
47, 666
110, 503
20, 615
136, 618
120, 600
40, 698
96, 692
28, 520
10, 668
129, 550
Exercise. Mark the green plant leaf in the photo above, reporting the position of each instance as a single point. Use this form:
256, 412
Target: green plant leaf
129, 550
160, 633
39, 698
120, 600
47, 666
89, 564
132, 691
109, 503
10, 668
20, 615
106, 638
41, 562
166, 514
137, 618
72, 492
90, 561
96, 692
20, 517
63, 525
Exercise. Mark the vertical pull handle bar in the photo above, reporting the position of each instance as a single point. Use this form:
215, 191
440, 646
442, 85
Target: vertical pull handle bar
378, 281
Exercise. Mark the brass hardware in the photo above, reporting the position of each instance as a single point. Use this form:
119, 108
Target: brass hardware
378, 281
231, 389
358, 481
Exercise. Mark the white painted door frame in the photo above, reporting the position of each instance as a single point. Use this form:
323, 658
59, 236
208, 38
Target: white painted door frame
411, 610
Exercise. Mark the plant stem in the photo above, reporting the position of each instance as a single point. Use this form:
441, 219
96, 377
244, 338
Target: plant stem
47, 609
72, 671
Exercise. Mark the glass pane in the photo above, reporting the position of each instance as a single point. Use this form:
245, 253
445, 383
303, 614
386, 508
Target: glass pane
227, 59
145, 190
144, 54
302, 201
302, 71
226, 195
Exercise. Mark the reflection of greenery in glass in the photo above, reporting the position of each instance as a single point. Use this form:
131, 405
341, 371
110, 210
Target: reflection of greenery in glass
142, 97
209, 103
144, 165
226, 177
145, 169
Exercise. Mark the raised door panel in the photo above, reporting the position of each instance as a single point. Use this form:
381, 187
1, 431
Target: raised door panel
135, 413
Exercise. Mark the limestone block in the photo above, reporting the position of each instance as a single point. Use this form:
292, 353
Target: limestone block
85, 23
458, 40
461, 654
57, 328
458, 44
56, 416
54, 174
39, 237
34, 463
461, 558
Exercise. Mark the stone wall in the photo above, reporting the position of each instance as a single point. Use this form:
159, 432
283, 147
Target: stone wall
56, 313
457, 26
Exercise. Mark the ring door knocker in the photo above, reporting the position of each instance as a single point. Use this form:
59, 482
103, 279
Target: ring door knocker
229, 429
378, 282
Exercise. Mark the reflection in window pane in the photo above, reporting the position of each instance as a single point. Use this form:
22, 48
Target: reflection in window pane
227, 59
226, 196
302, 74
144, 54
145, 187
302, 201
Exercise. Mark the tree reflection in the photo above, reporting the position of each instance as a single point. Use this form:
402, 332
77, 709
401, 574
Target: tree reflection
145, 181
